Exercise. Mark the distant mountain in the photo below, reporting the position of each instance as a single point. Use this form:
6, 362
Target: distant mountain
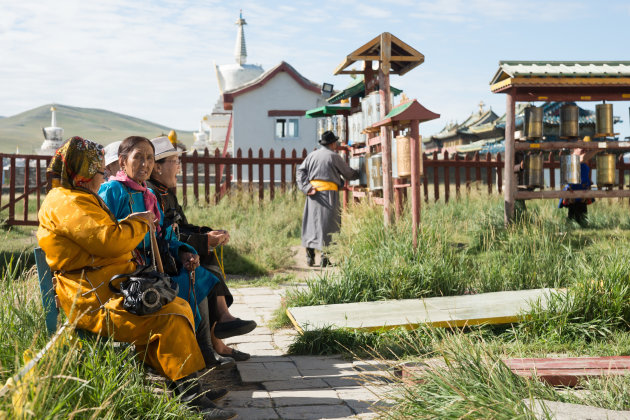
25, 129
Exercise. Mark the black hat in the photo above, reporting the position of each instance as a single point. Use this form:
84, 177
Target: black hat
328, 138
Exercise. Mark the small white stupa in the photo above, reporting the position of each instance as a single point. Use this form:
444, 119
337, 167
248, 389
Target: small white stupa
53, 136
201, 139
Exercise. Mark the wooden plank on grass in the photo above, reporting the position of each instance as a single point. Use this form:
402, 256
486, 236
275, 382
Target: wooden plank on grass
449, 311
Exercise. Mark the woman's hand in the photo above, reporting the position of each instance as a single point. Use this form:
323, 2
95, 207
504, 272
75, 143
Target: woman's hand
218, 237
189, 260
144, 216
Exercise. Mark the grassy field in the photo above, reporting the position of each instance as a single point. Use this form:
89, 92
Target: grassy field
464, 248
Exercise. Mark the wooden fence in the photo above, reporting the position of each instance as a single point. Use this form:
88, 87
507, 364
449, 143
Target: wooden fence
24, 179
251, 173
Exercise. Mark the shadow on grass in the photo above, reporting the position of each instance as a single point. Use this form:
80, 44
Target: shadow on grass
17, 261
235, 263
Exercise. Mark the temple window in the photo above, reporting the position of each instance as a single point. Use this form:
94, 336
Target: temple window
287, 128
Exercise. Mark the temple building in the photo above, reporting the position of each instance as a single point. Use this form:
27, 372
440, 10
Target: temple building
53, 136
230, 76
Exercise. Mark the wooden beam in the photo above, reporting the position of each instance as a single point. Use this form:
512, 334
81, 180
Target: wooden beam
590, 145
416, 147
531, 195
386, 144
508, 174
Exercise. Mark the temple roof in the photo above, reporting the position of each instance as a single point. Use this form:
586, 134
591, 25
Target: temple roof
552, 69
477, 122
228, 97
356, 88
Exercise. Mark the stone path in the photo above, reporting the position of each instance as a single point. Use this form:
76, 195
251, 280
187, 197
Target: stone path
278, 386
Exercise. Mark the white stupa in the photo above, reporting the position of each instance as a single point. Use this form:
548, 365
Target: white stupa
201, 139
231, 76
53, 136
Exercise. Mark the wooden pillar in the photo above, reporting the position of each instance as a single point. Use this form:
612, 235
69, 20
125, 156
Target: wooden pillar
415, 180
508, 174
386, 144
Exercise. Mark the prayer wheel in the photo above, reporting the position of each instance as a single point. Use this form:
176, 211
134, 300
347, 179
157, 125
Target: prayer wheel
321, 124
533, 125
403, 156
375, 168
341, 128
605, 170
358, 163
533, 166
604, 121
569, 121
570, 169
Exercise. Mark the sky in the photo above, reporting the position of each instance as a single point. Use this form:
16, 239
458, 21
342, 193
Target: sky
154, 59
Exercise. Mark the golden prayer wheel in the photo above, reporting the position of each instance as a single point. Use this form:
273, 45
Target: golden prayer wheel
533, 166
604, 121
533, 124
403, 156
358, 163
375, 167
569, 121
605, 170
570, 169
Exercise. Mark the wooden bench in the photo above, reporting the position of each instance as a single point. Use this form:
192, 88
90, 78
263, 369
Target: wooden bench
46, 286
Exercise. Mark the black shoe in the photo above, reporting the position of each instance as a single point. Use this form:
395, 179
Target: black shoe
215, 394
239, 356
325, 262
310, 257
232, 328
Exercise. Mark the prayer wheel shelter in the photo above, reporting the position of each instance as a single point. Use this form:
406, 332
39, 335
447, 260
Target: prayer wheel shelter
530, 81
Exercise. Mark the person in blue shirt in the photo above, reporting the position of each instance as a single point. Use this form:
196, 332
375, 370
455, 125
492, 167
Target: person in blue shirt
577, 206
126, 193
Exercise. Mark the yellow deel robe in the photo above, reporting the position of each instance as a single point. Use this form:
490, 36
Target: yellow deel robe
77, 235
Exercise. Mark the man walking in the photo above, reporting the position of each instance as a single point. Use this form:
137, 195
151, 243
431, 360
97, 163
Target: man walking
319, 177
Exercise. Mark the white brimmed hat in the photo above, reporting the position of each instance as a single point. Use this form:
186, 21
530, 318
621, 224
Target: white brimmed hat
111, 152
163, 148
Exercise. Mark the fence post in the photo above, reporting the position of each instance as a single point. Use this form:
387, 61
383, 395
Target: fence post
239, 170
499, 174
250, 169
447, 176
436, 178
206, 175
27, 176
217, 176
195, 177
467, 173
425, 177
184, 183
228, 177
271, 175
283, 171
489, 172
457, 177
261, 177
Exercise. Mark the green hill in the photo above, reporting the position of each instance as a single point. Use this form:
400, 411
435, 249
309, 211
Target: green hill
25, 129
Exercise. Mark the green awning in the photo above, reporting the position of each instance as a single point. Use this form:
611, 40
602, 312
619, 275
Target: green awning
326, 110
356, 89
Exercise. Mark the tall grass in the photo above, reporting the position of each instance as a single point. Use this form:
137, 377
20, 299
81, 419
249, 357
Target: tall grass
465, 248
261, 233
79, 379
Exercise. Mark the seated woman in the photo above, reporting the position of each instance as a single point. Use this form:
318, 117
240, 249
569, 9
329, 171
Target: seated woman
163, 182
86, 246
127, 193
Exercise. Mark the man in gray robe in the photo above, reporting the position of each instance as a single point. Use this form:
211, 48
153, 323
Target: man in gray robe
319, 177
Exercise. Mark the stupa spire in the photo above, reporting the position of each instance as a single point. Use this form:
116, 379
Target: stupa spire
240, 50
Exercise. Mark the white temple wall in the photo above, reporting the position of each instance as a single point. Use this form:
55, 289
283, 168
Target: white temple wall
254, 128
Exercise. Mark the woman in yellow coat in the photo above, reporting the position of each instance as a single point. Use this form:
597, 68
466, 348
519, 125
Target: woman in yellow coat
85, 247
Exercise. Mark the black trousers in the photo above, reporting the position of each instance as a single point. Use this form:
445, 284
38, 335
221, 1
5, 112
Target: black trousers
579, 213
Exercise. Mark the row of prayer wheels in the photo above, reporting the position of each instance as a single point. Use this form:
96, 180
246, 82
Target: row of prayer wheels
569, 121
570, 171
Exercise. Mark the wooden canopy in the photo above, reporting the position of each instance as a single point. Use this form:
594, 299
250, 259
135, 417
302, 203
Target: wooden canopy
396, 56
405, 113
563, 80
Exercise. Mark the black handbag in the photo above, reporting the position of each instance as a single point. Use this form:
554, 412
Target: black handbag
145, 291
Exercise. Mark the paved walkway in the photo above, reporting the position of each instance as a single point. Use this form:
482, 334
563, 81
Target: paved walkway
278, 386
